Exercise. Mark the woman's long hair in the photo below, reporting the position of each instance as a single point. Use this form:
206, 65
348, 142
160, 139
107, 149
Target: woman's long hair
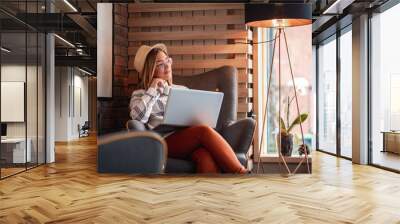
149, 68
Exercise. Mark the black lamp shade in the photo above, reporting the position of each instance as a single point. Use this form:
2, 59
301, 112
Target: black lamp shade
278, 14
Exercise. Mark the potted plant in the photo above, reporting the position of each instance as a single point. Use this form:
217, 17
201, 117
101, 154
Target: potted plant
286, 141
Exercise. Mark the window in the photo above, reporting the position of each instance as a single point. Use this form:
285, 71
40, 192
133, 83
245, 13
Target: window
385, 87
327, 96
300, 50
335, 74
346, 93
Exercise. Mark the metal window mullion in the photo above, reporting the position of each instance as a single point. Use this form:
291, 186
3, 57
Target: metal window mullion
73, 91
69, 92
369, 96
26, 88
317, 96
338, 98
45, 93
46, 41
37, 90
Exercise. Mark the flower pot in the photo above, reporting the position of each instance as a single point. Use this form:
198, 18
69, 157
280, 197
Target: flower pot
302, 149
287, 144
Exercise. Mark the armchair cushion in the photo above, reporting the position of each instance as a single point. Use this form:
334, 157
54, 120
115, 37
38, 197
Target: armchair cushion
239, 134
242, 157
180, 166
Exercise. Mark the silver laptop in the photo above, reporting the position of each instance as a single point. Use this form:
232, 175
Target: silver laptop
188, 107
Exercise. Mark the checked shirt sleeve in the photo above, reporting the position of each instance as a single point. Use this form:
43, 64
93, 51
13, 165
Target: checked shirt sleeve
142, 103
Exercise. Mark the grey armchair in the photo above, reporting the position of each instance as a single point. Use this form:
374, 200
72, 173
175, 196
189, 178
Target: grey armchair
131, 152
238, 133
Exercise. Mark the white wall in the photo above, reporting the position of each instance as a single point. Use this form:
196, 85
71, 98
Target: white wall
13, 73
70, 83
80, 84
50, 94
61, 103
104, 49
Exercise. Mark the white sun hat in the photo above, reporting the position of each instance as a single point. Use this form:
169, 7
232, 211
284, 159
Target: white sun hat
142, 53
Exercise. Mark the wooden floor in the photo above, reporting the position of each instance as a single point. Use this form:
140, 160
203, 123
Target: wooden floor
386, 159
10, 171
71, 191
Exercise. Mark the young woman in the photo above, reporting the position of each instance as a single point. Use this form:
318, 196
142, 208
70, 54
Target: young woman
202, 144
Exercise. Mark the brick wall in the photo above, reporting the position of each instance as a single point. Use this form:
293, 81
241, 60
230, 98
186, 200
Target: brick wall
114, 112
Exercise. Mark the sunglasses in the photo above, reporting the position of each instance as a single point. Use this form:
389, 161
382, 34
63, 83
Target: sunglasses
164, 64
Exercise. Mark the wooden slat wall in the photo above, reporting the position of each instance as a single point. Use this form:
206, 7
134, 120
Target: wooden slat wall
200, 37
254, 150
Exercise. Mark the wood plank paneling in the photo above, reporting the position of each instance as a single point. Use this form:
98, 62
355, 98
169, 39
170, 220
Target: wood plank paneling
209, 42
245, 107
186, 20
244, 76
200, 49
167, 7
198, 42
245, 92
187, 35
255, 153
208, 63
202, 63
184, 42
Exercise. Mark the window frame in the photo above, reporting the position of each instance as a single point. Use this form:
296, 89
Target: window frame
379, 10
262, 65
334, 37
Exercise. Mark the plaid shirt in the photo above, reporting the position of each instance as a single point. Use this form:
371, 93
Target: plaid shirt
149, 106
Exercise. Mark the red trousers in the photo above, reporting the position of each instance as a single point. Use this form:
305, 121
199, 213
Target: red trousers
204, 146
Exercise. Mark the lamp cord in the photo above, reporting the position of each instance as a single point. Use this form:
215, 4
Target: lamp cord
251, 42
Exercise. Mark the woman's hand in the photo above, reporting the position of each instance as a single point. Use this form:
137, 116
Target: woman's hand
158, 83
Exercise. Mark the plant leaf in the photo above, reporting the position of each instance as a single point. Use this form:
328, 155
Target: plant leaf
283, 126
297, 121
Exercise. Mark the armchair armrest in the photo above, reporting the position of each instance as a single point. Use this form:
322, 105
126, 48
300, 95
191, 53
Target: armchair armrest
239, 134
131, 152
134, 125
